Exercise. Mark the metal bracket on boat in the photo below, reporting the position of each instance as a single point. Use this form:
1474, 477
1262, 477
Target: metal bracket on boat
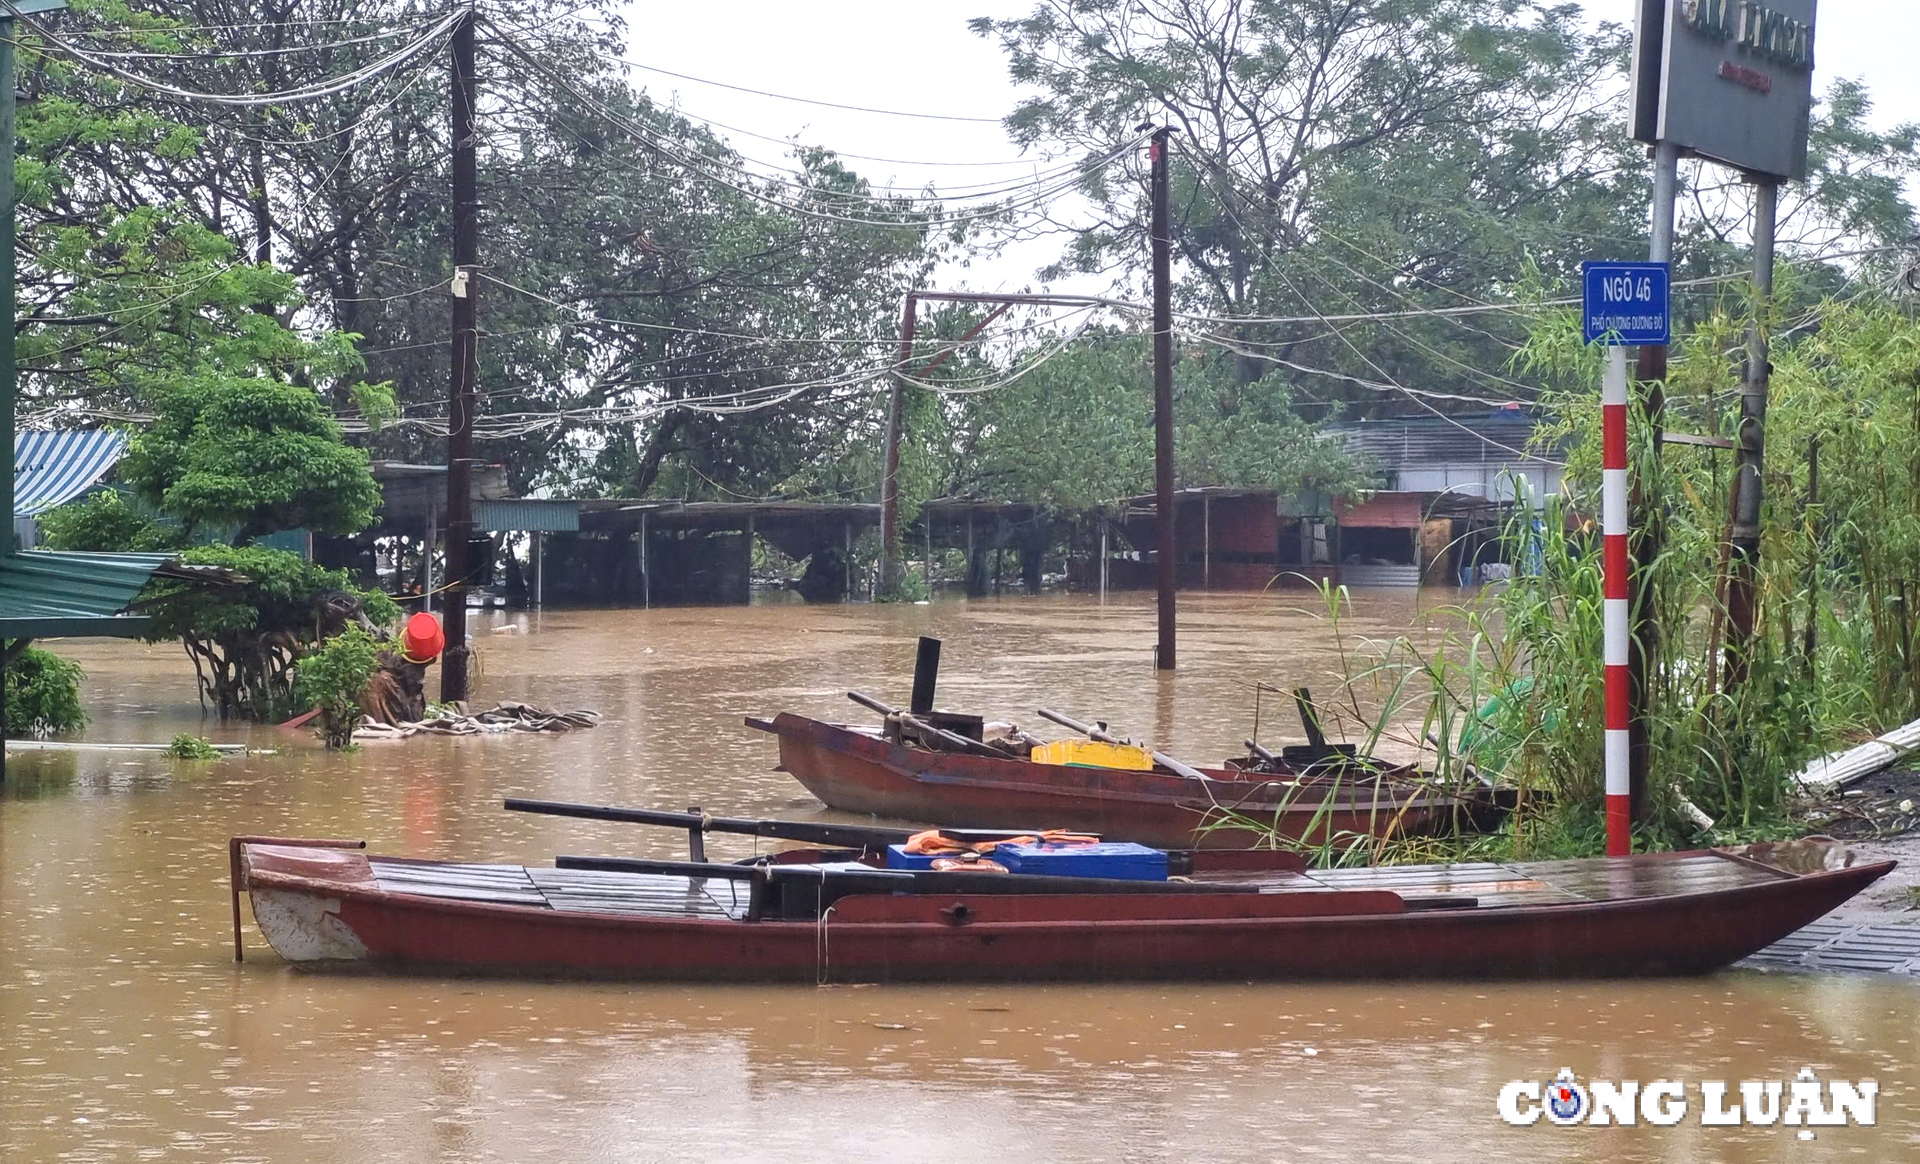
697, 835
959, 913
237, 877
757, 887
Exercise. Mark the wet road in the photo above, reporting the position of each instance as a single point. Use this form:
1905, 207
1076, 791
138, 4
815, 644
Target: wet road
127, 1033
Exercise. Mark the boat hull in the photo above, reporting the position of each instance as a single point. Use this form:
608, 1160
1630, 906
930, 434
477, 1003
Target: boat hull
326, 909
859, 772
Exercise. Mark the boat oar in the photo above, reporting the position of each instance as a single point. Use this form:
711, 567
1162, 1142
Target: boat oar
1256, 750
1094, 733
909, 720
835, 835
848, 880
838, 836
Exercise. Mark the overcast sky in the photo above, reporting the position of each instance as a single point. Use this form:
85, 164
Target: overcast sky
921, 57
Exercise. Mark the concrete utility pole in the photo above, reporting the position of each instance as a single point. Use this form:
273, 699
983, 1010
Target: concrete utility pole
890, 571
461, 399
1163, 655
1749, 459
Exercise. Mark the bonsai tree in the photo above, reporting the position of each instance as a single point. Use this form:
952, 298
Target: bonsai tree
254, 453
246, 638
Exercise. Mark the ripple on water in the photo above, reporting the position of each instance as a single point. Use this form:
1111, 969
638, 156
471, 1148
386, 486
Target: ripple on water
113, 900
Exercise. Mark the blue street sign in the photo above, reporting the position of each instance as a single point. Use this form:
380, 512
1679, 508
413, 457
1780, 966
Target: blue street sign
1627, 304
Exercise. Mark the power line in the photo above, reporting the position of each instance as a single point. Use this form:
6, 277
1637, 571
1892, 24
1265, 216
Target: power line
967, 191
697, 166
235, 54
403, 56
809, 100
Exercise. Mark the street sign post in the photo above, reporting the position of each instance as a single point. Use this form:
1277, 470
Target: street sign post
1626, 304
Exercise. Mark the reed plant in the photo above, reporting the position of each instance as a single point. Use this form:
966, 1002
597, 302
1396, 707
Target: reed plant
1510, 681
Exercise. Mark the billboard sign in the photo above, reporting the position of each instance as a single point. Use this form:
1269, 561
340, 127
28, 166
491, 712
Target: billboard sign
1735, 81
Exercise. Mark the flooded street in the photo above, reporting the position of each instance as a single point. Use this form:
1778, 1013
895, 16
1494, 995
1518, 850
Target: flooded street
128, 1033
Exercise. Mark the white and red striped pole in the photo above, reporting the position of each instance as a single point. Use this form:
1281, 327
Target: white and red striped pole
1613, 529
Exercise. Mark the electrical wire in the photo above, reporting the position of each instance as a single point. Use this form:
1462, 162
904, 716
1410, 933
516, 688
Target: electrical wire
698, 167
809, 100
590, 317
236, 54
405, 55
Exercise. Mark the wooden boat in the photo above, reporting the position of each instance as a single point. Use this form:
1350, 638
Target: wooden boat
860, 770
831, 915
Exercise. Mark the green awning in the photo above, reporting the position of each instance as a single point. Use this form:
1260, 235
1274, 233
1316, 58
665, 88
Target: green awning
46, 594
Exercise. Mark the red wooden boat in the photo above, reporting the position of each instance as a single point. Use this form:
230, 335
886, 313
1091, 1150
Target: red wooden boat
859, 770
815, 916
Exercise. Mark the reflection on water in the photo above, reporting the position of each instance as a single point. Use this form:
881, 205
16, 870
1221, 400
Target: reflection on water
126, 1033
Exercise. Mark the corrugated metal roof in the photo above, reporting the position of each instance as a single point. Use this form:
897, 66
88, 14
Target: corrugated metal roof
1499, 438
44, 593
53, 467
547, 515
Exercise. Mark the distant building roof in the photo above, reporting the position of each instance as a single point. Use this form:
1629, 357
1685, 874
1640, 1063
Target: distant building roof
1485, 438
53, 467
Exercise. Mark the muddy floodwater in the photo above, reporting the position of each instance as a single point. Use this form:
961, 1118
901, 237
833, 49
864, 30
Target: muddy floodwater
128, 1033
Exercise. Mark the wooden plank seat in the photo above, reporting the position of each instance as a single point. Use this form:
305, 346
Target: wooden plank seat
572, 890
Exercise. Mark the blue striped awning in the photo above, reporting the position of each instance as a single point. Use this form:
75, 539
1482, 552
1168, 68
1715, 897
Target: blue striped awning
53, 467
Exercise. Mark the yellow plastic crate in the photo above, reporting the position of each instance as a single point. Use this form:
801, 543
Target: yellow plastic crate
1093, 754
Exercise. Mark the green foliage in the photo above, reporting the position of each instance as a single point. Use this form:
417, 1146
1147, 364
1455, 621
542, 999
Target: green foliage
1512, 680
256, 453
334, 677
245, 638
103, 522
1380, 156
187, 746
1074, 434
276, 598
43, 694
1832, 657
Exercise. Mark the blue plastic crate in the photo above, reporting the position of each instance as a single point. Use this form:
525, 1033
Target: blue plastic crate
899, 858
1117, 860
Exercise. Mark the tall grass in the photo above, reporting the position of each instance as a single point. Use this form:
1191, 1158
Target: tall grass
1513, 682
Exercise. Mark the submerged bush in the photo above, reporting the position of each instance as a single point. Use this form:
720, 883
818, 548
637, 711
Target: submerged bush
335, 677
43, 694
187, 746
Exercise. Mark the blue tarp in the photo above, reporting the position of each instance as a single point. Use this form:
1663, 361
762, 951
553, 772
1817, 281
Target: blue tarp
53, 467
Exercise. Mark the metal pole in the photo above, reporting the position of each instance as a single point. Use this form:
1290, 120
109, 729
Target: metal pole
1163, 657
928, 519
1813, 555
1751, 454
426, 557
846, 562
539, 568
890, 475
461, 400
1613, 528
8, 374
1103, 558
1206, 541
9, 382
646, 583
1644, 519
